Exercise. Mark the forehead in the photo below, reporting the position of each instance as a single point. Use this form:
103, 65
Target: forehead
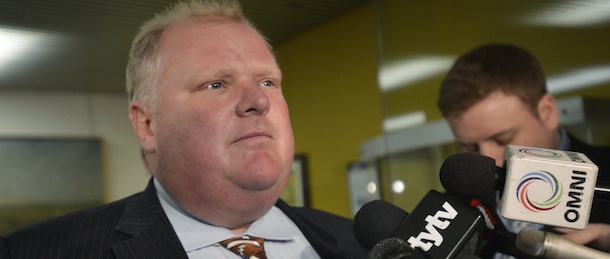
492, 115
199, 32
495, 105
197, 44
194, 53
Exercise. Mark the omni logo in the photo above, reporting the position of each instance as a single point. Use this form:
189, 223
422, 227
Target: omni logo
536, 203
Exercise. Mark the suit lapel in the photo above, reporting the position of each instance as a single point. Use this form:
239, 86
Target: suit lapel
152, 234
324, 243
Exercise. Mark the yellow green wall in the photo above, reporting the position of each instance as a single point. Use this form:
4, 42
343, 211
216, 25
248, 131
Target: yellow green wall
330, 75
331, 88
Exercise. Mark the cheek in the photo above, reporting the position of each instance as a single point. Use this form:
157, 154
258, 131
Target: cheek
286, 127
183, 130
532, 134
538, 139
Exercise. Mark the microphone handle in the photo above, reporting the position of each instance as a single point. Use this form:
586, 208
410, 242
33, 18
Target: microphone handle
563, 248
550, 245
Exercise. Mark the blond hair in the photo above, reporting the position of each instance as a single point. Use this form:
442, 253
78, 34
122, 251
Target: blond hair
146, 63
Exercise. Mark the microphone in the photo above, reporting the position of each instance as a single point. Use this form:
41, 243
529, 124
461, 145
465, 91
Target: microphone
481, 170
471, 175
377, 220
396, 248
495, 238
545, 186
390, 248
548, 245
438, 227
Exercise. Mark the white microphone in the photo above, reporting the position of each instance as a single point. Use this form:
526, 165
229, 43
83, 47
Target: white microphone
548, 245
546, 186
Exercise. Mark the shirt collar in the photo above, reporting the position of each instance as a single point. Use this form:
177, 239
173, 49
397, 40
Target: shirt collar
195, 234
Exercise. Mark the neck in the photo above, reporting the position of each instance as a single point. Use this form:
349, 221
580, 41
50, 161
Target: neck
560, 139
240, 230
235, 218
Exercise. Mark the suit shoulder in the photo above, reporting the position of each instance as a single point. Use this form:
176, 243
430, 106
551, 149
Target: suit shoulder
81, 224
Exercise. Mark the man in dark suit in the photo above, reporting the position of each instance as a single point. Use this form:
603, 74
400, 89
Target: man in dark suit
137, 227
214, 128
495, 95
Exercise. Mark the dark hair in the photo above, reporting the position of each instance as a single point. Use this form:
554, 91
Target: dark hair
491, 68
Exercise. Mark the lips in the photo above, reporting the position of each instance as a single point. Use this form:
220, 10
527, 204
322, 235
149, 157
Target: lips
254, 135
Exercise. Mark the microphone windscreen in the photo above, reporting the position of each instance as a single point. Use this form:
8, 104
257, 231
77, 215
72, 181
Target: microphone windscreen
390, 248
376, 221
530, 241
469, 175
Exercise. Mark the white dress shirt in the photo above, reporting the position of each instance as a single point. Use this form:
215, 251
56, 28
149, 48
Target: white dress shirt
283, 239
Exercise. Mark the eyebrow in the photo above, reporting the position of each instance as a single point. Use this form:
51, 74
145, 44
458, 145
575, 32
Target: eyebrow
504, 132
494, 136
211, 74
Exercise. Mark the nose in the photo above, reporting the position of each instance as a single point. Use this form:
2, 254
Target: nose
254, 101
494, 151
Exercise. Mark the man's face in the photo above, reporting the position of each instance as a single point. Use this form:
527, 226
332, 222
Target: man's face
222, 125
501, 119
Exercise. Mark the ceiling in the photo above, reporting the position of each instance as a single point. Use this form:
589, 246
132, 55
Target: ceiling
82, 46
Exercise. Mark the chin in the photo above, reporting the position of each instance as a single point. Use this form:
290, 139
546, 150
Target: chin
257, 183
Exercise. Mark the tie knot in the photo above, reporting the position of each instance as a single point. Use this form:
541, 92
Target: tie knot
248, 247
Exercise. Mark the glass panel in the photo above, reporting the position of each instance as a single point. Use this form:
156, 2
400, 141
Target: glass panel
418, 40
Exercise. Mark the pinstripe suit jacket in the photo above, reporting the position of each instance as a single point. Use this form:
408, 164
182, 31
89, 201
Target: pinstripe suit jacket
137, 227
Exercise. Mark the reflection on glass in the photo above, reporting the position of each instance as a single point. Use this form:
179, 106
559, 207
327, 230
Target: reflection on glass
418, 41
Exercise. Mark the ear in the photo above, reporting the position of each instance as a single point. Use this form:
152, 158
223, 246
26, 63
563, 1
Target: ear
548, 111
142, 122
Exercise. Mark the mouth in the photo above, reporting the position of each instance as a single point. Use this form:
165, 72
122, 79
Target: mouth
254, 135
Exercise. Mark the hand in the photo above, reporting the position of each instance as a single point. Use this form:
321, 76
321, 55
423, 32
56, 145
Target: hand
596, 235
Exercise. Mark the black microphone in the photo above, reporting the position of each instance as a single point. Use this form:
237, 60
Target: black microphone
391, 248
377, 220
548, 245
438, 227
396, 248
474, 178
471, 175
550, 187
482, 172
494, 238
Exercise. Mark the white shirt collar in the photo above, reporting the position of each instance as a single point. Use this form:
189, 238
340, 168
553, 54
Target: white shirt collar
195, 234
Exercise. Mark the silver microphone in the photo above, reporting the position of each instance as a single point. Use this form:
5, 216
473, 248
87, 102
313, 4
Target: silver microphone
549, 245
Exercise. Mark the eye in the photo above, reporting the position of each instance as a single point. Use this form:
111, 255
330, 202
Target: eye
268, 83
214, 85
503, 141
470, 147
